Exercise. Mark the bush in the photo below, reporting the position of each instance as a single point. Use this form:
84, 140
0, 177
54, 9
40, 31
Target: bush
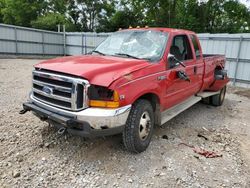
50, 22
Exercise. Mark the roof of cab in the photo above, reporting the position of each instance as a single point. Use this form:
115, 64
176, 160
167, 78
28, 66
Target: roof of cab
169, 30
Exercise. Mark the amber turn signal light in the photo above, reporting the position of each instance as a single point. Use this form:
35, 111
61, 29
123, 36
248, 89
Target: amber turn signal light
104, 104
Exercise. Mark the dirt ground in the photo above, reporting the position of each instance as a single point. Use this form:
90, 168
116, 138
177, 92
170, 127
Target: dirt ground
33, 155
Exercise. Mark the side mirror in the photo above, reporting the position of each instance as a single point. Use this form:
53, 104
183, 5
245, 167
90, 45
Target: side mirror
174, 62
183, 76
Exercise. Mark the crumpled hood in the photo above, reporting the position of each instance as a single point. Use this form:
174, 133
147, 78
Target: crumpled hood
98, 70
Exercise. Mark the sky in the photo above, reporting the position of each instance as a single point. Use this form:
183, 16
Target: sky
246, 2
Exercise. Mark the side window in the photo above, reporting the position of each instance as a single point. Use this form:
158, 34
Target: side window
181, 48
196, 47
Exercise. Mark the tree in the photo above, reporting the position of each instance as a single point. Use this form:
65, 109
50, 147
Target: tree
2, 6
63, 12
150, 12
51, 20
57, 6
236, 17
123, 19
90, 11
74, 12
21, 12
104, 19
105, 15
226, 16
188, 15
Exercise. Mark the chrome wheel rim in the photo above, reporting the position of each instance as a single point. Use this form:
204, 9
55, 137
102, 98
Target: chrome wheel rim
145, 126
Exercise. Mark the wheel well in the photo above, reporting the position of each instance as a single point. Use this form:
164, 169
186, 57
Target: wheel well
219, 73
217, 69
155, 102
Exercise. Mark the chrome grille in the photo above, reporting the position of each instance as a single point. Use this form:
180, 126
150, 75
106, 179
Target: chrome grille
60, 91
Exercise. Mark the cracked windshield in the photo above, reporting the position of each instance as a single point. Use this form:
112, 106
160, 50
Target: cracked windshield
136, 44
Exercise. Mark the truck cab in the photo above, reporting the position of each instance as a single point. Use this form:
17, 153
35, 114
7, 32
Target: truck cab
134, 80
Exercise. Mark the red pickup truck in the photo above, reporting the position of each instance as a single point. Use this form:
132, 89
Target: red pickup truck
134, 80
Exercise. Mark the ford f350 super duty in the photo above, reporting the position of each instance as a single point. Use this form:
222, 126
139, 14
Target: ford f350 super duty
134, 80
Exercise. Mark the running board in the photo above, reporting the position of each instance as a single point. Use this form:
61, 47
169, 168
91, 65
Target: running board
175, 110
207, 94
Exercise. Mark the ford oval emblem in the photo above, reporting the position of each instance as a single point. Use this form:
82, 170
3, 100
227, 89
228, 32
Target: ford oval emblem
47, 90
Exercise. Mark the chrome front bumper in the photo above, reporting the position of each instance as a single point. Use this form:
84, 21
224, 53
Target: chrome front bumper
97, 118
86, 123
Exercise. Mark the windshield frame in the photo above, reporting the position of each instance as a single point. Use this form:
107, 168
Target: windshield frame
124, 56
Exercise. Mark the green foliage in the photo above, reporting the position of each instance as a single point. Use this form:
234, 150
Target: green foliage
104, 15
50, 22
21, 12
57, 6
236, 17
92, 12
188, 15
121, 19
2, 6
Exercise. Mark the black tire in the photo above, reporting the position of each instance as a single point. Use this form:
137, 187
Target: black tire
217, 100
206, 100
132, 134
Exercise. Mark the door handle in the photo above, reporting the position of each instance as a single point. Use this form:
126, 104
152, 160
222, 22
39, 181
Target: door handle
195, 69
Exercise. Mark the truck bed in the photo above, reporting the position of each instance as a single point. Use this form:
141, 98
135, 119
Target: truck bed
210, 63
213, 56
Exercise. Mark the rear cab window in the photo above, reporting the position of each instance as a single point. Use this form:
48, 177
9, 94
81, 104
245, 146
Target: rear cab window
196, 46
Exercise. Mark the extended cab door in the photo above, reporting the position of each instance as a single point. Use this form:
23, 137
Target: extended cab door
177, 90
199, 65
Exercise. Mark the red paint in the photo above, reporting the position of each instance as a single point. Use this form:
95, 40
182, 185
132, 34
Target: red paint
134, 78
218, 84
99, 70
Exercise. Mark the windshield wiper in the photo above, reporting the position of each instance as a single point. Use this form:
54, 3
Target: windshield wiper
131, 56
98, 52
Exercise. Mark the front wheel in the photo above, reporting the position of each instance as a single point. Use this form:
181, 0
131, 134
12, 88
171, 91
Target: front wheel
139, 127
217, 100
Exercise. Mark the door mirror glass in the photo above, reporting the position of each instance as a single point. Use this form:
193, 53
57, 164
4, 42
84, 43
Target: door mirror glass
172, 61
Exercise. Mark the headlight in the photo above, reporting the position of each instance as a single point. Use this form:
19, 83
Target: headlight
103, 97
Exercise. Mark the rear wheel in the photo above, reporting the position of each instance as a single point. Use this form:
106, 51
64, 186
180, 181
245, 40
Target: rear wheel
139, 127
206, 100
217, 100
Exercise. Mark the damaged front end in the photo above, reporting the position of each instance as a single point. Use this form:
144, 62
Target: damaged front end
83, 109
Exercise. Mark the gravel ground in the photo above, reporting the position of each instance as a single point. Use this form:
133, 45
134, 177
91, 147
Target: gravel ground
33, 155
